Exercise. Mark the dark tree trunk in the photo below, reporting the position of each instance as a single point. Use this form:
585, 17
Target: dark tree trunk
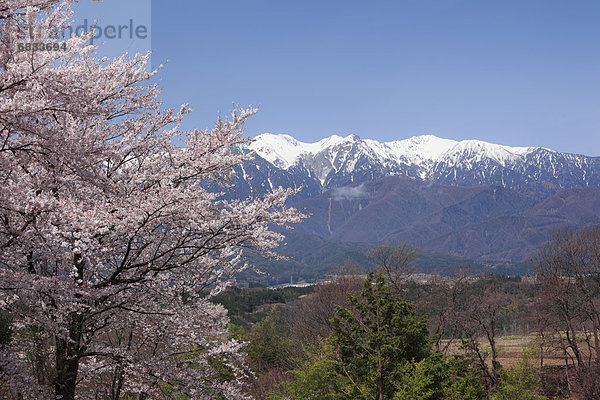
67, 360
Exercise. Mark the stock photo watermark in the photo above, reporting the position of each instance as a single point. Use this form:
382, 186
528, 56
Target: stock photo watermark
117, 27
130, 30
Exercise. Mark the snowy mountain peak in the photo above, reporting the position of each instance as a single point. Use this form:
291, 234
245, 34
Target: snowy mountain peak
338, 161
280, 150
423, 147
284, 151
477, 151
422, 151
352, 138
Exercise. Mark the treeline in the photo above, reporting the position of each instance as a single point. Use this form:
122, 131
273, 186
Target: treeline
389, 337
252, 304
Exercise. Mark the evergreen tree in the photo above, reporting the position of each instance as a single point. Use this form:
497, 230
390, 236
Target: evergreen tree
376, 338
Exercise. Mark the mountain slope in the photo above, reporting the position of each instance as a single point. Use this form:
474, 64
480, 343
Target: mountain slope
484, 223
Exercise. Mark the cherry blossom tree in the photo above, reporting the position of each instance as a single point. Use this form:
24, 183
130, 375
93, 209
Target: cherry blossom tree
108, 234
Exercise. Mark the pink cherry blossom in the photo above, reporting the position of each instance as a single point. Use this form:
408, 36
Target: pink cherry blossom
109, 233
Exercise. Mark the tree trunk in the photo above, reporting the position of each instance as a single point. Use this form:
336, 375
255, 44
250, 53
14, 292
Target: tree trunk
67, 360
380, 379
495, 364
117, 384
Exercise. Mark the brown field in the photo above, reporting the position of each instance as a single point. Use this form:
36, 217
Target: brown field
511, 349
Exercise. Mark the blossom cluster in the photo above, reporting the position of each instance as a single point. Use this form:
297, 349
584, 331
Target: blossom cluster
110, 235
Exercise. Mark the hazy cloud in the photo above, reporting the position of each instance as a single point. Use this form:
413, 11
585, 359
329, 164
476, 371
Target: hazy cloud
350, 193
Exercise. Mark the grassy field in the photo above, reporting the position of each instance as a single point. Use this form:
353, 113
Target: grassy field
511, 348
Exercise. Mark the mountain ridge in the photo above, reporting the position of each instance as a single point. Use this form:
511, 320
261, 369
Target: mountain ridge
284, 150
339, 161
485, 202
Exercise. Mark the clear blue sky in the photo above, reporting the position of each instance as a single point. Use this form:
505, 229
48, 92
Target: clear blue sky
516, 72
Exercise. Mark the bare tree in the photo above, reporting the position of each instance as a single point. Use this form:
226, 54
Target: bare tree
447, 296
480, 307
568, 269
313, 315
392, 260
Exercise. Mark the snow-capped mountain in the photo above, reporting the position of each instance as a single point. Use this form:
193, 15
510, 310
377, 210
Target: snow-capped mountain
336, 154
485, 202
337, 161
